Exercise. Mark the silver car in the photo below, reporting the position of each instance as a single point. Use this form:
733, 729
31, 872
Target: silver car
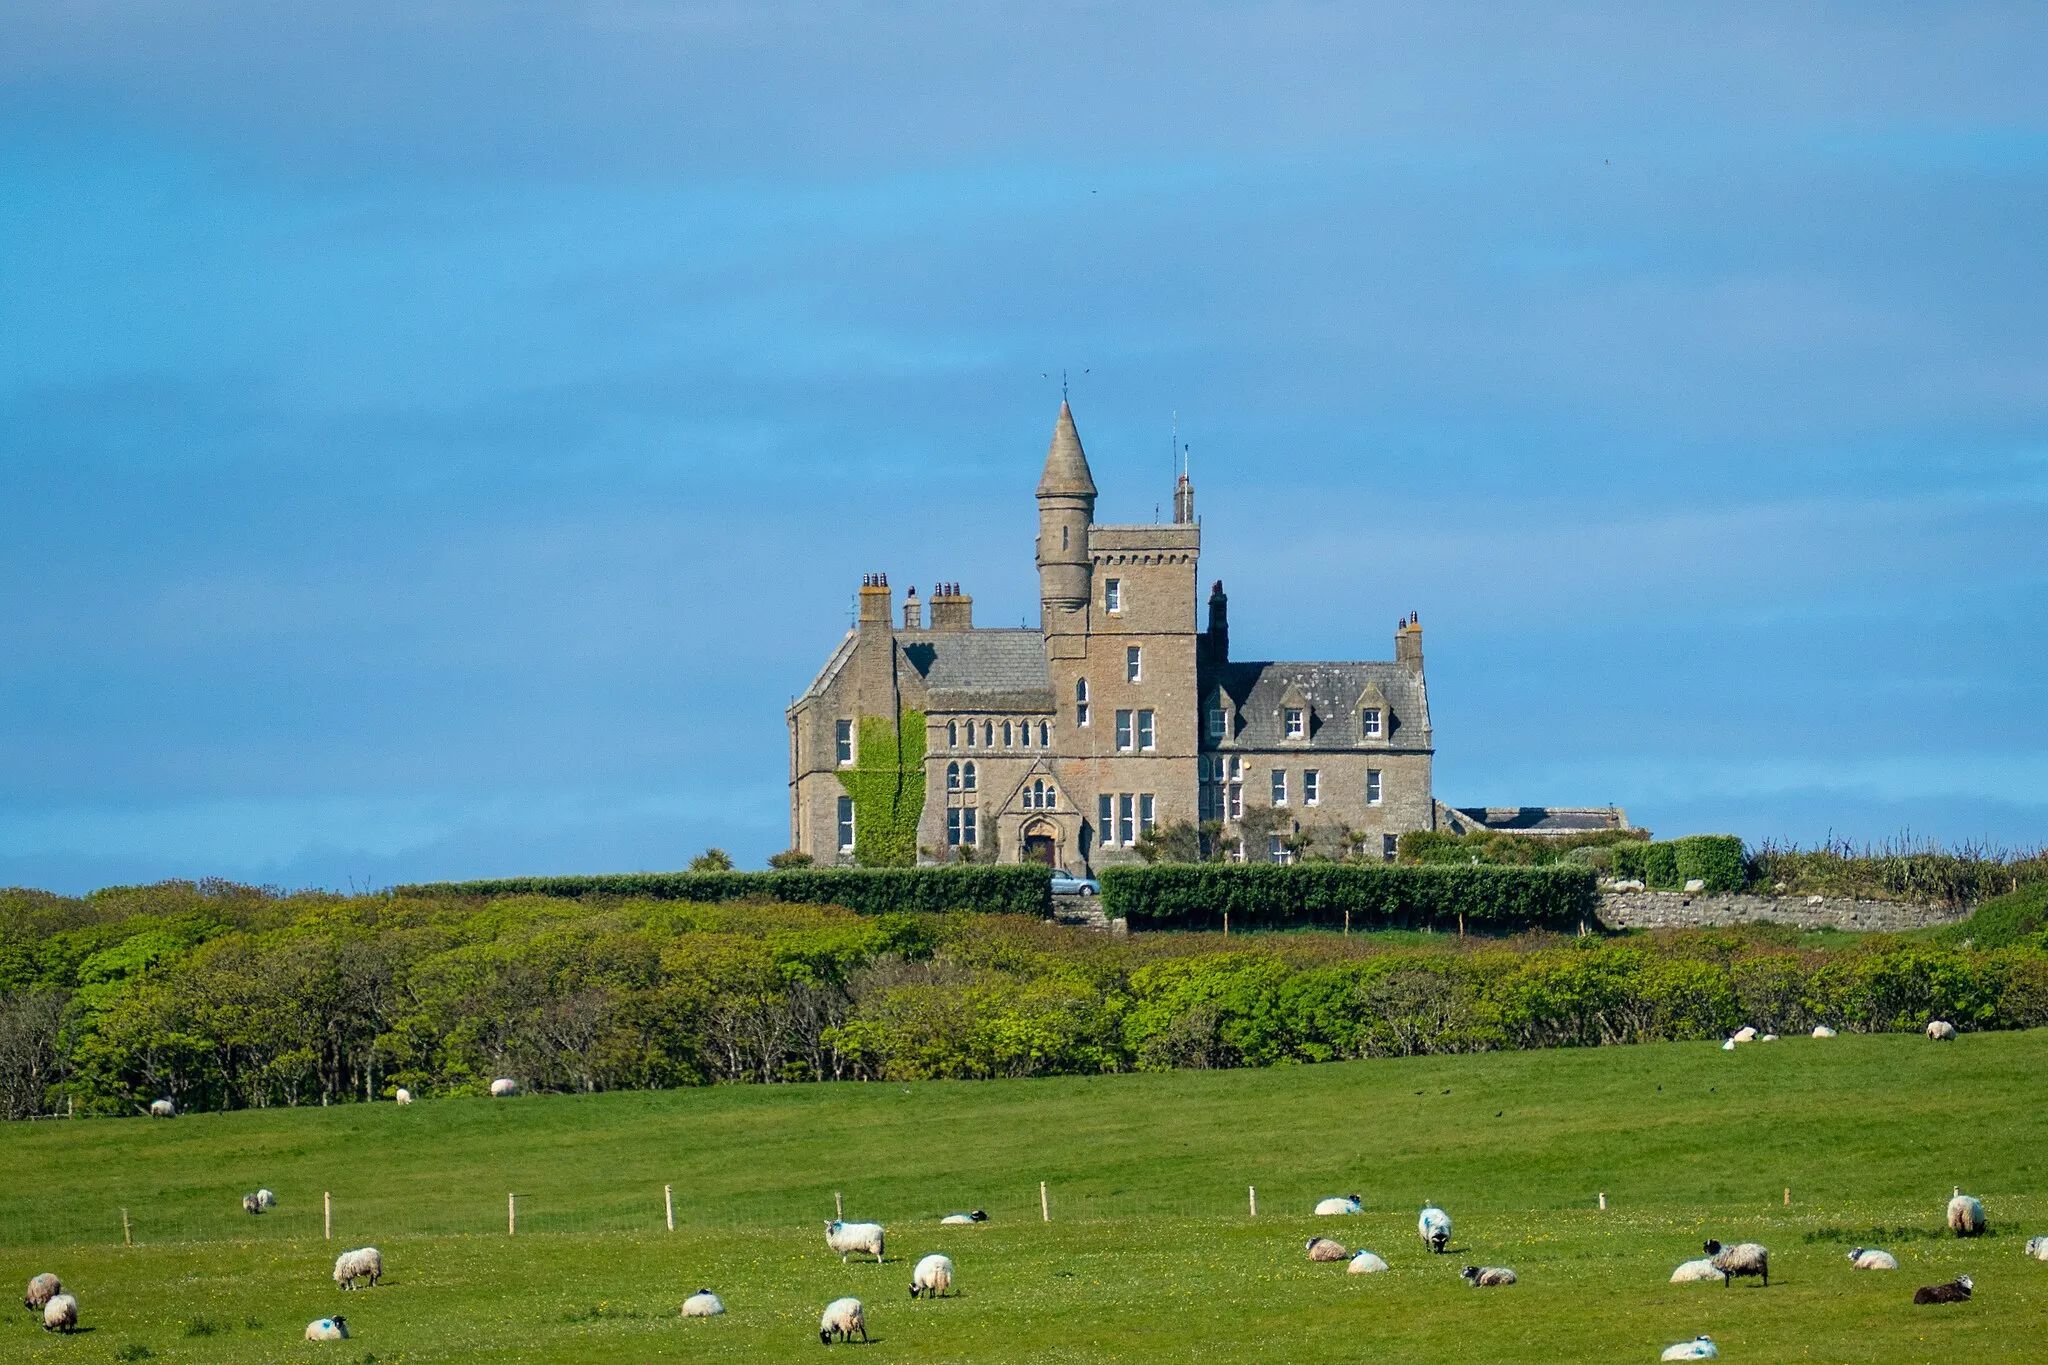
1065, 883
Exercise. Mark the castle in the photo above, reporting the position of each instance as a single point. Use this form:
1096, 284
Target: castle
1114, 721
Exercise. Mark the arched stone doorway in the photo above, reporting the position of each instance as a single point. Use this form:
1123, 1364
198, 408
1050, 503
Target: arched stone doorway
1041, 843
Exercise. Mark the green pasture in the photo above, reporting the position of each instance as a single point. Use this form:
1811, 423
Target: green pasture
1151, 1252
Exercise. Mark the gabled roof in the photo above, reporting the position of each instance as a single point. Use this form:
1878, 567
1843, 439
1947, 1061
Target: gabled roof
1259, 690
980, 670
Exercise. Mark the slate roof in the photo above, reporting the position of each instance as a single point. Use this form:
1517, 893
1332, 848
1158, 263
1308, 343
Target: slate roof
1547, 819
1332, 691
980, 670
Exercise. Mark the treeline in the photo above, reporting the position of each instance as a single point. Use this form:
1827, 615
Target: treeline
227, 997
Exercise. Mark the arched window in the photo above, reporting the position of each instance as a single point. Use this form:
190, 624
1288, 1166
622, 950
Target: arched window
952, 734
1024, 733
1080, 701
967, 777
1045, 734
988, 734
952, 777
1006, 734
1049, 798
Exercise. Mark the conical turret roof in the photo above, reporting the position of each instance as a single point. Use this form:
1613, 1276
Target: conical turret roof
1066, 464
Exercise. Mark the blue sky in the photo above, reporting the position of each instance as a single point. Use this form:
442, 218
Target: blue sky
437, 439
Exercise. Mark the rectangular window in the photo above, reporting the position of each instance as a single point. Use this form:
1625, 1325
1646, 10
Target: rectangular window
967, 835
1389, 846
1080, 701
1123, 729
1145, 732
1278, 852
842, 738
1279, 786
1219, 723
1311, 787
1133, 663
1125, 833
1372, 786
953, 826
1236, 797
1105, 819
1145, 813
846, 824
1369, 722
1295, 726
1112, 594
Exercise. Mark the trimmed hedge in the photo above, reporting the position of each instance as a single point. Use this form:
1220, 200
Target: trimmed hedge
1001, 889
1716, 859
1378, 896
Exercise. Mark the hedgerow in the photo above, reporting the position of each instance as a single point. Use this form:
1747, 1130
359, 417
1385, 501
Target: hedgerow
989, 888
1715, 859
1374, 895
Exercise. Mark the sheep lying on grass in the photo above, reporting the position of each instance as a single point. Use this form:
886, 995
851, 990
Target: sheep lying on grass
1365, 1263
60, 1314
1323, 1249
1692, 1272
703, 1304
1743, 1035
1955, 1291
965, 1218
1942, 1031
327, 1329
1870, 1258
41, 1290
1965, 1214
1339, 1204
932, 1278
364, 1263
1823, 1031
847, 1238
2037, 1247
1435, 1227
1699, 1348
1741, 1260
1479, 1275
842, 1318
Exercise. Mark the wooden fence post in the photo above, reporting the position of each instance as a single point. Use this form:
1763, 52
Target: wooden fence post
1603, 1199
668, 1205
127, 1232
511, 1215
1253, 1192
327, 1215
839, 1206
1044, 1203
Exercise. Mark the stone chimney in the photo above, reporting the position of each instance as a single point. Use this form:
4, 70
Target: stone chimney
913, 613
1183, 502
952, 609
1408, 641
874, 650
874, 601
1219, 621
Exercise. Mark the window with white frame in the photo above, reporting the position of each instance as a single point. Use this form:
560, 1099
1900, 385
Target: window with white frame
1369, 722
1123, 729
1219, 722
953, 826
1080, 701
1105, 820
952, 777
967, 834
967, 777
1233, 790
846, 824
1389, 847
1372, 786
1134, 663
1126, 832
842, 740
1112, 594
1296, 725
1279, 786
1311, 787
1146, 806
1277, 850
1145, 730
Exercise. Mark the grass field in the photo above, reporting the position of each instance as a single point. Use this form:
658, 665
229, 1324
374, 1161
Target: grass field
1150, 1253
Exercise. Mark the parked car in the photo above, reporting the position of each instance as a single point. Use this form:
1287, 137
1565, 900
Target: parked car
1065, 883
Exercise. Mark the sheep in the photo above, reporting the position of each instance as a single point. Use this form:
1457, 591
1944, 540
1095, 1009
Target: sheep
60, 1314
504, 1086
41, 1290
1965, 1215
251, 1204
847, 1238
1823, 1031
1742, 1259
1365, 1263
1323, 1249
1336, 1204
163, 1109
265, 1200
932, 1278
364, 1263
703, 1304
327, 1329
1691, 1272
842, 1317
1477, 1275
1435, 1227
1768, 1038
1941, 1031
2037, 1247
1955, 1291
1728, 1046
1699, 1348
403, 1096
965, 1219
1745, 1035
1870, 1258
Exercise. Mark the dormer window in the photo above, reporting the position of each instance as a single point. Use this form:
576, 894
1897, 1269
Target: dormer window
1219, 722
1369, 722
1295, 720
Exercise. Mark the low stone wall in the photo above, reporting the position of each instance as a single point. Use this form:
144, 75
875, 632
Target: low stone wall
1086, 912
1676, 910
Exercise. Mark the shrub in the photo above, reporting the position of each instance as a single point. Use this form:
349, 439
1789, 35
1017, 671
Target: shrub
2003, 920
1655, 865
1715, 859
1490, 899
1007, 889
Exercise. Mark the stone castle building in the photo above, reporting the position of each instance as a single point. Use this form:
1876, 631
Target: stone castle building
1117, 718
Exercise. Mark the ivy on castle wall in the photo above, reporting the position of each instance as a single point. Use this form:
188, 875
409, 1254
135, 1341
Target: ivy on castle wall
887, 787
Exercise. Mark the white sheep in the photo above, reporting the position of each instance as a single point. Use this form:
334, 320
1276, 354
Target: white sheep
1435, 1227
1965, 1215
1693, 1272
1942, 1031
1728, 1046
327, 1329
847, 1238
45, 1287
163, 1109
1745, 1035
504, 1086
842, 1318
1870, 1258
965, 1219
1478, 1275
1338, 1204
703, 1304
2037, 1247
60, 1314
932, 1278
265, 1200
364, 1263
1823, 1031
1741, 1260
403, 1096
1323, 1249
1365, 1263
1768, 1038
1699, 1348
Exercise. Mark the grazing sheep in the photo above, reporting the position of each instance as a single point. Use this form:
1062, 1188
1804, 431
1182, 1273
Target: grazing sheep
932, 1278
327, 1329
847, 1238
703, 1304
1435, 1227
965, 1218
1823, 1031
1870, 1258
403, 1096
1955, 1291
41, 1290
504, 1086
364, 1263
1741, 1260
251, 1204
1336, 1204
1323, 1249
1691, 1272
1745, 1035
1942, 1031
2037, 1247
1477, 1275
1699, 1348
1965, 1215
162, 1109
60, 1314
1365, 1263
842, 1318
265, 1200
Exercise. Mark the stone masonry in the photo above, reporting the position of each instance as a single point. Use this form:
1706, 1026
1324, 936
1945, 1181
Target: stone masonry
1675, 910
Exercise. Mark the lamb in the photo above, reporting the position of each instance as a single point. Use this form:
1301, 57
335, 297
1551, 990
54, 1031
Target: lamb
847, 1238
965, 1218
403, 1096
1365, 1263
1955, 1291
1728, 1046
1323, 1249
1478, 1275
1941, 1031
265, 1200
60, 1314
1342, 1203
2037, 1247
327, 1329
1965, 1215
364, 1263
842, 1318
504, 1086
703, 1304
1742, 1259
162, 1109
932, 1278
41, 1290
1435, 1227
1870, 1258
1691, 1272
1699, 1348
1823, 1031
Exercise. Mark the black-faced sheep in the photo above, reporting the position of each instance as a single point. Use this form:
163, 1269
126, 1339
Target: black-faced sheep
2037, 1247
1339, 1204
41, 1290
1699, 1348
163, 1109
1965, 1215
1942, 1031
847, 1238
250, 1204
327, 1329
932, 1278
958, 1219
1365, 1263
1483, 1275
1955, 1291
703, 1304
1323, 1249
1870, 1258
60, 1314
1742, 1260
1435, 1227
842, 1318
